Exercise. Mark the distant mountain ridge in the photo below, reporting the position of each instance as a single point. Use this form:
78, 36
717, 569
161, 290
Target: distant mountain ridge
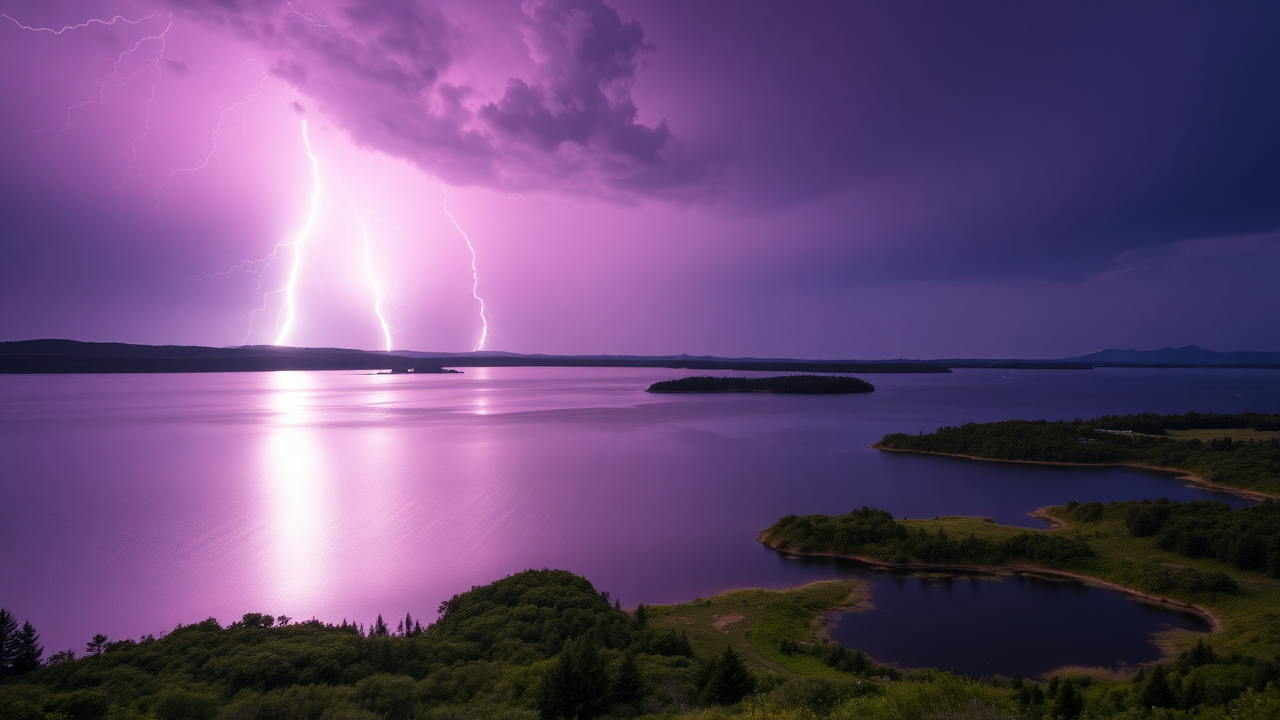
1188, 355
72, 356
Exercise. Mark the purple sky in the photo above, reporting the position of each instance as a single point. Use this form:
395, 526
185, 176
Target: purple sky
820, 179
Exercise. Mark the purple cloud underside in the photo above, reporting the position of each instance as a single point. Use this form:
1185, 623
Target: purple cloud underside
377, 69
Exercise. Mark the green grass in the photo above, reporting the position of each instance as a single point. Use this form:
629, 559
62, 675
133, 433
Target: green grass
767, 618
1207, 434
1250, 618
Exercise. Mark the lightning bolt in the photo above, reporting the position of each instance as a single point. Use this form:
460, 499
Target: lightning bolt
85, 24
213, 139
373, 281
151, 64
290, 307
475, 276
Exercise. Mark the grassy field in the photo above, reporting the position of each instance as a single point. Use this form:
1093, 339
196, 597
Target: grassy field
1250, 618
1207, 434
756, 622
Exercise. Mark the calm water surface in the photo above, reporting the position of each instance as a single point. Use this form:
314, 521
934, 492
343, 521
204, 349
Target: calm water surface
132, 503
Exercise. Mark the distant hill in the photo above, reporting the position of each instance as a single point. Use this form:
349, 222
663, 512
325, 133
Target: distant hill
1188, 356
72, 356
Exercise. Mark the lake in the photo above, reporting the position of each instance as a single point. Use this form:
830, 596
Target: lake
133, 503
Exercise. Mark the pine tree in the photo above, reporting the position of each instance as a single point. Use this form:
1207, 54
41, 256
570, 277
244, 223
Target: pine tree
1156, 691
1201, 654
642, 615
1193, 694
1070, 703
380, 627
728, 680
97, 645
8, 641
29, 650
577, 684
628, 684
1016, 681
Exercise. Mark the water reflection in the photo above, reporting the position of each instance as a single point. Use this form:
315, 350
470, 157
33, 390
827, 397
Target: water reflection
350, 494
296, 492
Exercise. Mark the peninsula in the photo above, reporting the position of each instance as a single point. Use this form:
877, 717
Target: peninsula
1239, 453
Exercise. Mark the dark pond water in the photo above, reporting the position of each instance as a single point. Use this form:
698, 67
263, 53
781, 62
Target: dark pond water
983, 625
134, 503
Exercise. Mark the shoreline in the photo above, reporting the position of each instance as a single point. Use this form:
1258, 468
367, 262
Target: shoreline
1215, 623
1178, 473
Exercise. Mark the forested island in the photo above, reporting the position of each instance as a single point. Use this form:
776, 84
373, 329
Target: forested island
784, 384
1241, 452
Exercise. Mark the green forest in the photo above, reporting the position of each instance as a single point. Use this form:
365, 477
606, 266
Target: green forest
1135, 439
785, 384
1248, 538
539, 643
874, 534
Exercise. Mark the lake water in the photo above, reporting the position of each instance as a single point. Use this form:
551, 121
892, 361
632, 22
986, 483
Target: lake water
132, 503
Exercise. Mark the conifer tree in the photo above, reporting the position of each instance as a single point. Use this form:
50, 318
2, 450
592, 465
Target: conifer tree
728, 680
1070, 703
1193, 694
577, 684
380, 627
1156, 691
642, 615
97, 645
628, 684
29, 650
8, 641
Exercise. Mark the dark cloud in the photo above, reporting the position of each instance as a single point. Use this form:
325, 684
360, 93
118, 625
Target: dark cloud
924, 140
586, 61
377, 69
